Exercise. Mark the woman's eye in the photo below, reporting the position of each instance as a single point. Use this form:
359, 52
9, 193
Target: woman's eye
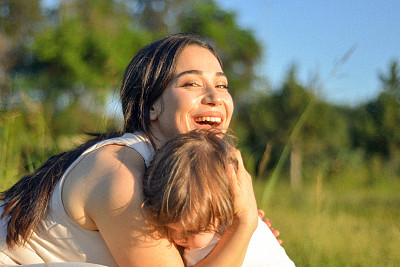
191, 84
222, 86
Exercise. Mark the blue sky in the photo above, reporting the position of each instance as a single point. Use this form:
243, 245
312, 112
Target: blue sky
317, 34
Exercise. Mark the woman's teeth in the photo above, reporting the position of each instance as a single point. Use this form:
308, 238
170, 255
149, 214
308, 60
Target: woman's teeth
209, 120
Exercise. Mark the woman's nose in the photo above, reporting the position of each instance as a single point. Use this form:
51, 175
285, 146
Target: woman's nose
212, 96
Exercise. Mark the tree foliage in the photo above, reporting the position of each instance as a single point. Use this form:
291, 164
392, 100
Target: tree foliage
19, 22
376, 127
87, 47
315, 131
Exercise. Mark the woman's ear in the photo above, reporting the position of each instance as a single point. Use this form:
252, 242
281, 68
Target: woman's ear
155, 111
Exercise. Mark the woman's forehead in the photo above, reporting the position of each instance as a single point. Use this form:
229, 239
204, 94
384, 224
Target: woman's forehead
196, 58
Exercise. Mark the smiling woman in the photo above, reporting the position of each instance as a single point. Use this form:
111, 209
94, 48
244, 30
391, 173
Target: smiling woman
197, 97
84, 205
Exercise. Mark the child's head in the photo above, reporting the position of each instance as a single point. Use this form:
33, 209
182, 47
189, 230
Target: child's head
186, 188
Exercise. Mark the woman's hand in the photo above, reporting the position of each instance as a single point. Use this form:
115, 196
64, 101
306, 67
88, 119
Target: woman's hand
243, 195
275, 232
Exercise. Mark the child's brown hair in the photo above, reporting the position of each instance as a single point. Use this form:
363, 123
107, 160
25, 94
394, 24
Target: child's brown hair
187, 183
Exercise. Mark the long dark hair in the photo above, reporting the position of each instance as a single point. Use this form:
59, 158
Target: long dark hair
25, 204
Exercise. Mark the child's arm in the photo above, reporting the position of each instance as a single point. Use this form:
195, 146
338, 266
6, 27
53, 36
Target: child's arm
232, 247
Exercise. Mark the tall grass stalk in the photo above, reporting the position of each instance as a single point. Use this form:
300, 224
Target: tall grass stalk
285, 153
319, 193
9, 157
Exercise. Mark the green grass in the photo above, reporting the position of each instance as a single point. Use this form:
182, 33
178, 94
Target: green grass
325, 225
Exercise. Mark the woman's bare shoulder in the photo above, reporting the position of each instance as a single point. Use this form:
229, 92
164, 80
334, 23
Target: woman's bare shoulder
107, 177
112, 156
109, 192
118, 176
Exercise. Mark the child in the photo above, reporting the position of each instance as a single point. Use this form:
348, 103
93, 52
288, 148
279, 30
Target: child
188, 199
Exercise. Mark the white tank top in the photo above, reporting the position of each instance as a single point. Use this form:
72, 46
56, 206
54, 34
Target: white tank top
58, 238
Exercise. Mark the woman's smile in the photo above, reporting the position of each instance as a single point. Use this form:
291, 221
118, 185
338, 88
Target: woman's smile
209, 119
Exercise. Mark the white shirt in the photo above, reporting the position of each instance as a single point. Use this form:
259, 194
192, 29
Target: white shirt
263, 250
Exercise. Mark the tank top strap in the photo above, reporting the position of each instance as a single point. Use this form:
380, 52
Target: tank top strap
141, 144
137, 141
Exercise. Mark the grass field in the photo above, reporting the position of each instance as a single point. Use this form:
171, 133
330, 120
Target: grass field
333, 225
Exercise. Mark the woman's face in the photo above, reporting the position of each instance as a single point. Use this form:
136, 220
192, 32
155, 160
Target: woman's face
197, 97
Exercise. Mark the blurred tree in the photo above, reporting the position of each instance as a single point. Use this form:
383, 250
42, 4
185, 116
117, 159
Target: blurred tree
19, 21
390, 102
254, 127
88, 46
388, 117
91, 42
391, 82
78, 58
376, 128
160, 15
291, 102
316, 131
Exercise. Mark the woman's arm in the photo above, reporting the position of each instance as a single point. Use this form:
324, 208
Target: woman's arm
118, 216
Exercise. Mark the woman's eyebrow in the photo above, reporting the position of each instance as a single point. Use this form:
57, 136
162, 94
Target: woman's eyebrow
197, 72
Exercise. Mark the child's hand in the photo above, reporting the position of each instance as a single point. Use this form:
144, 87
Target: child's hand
243, 195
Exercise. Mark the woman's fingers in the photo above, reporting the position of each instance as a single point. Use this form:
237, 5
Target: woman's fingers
261, 213
275, 232
267, 222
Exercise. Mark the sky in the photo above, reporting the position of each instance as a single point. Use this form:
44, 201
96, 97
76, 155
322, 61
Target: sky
317, 35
